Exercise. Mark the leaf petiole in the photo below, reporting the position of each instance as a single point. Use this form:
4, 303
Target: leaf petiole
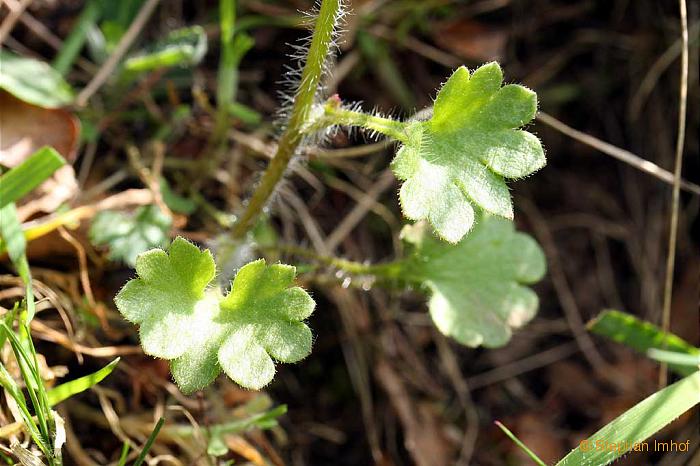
334, 114
387, 270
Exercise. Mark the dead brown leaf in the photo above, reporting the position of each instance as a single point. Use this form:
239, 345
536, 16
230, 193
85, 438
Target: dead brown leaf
24, 128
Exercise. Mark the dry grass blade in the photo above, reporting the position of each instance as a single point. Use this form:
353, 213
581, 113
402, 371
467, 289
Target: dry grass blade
16, 10
620, 154
675, 200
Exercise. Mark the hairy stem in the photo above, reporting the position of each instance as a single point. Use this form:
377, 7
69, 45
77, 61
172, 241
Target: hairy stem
303, 103
336, 115
389, 270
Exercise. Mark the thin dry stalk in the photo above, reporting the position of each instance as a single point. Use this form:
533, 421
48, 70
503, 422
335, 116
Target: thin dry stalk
82, 263
365, 205
16, 9
675, 199
620, 154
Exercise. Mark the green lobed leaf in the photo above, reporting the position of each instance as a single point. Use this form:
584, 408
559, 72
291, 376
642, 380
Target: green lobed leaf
637, 424
202, 332
457, 160
33, 81
477, 285
128, 235
641, 336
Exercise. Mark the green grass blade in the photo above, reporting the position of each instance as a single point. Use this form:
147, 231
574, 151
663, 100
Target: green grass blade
35, 389
182, 47
122, 457
22, 346
641, 336
13, 237
520, 444
637, 424
20, 180
13, 185
672, 357
75, 41
15, 392
8, 319
68, 389
149, 442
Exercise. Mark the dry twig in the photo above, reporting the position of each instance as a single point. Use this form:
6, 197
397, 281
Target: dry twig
675, 200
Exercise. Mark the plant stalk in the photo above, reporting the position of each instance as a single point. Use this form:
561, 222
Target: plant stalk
336, 115
675, 199
303, 103
388, 270
227, 79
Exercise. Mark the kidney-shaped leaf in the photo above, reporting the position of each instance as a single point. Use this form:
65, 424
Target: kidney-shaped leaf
459, 158
477, 286
202, 332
